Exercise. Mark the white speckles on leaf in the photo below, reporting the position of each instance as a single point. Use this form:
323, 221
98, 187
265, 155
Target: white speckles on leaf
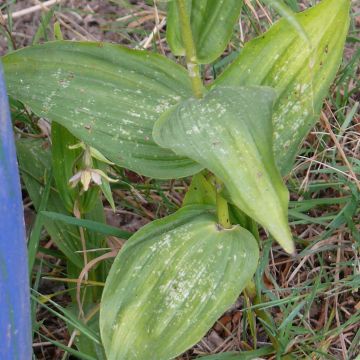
108, 87
300, 72
229, 132
165, 280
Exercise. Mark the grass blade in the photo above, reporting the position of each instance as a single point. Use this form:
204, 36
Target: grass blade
88, 224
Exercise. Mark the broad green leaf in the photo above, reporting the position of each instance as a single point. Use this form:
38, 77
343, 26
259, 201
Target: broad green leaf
212, 24
171, 282
200, 192
230, 132
288, 15
63, 160
106, 95
301, 73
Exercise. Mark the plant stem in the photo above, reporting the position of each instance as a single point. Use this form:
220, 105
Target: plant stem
222, 207
251, 293
197, 86
222, 211
190, 50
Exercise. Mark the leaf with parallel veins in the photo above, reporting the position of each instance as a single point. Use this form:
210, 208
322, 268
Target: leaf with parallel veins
229, 132
171, 282
301, 73
106, 95
212, 24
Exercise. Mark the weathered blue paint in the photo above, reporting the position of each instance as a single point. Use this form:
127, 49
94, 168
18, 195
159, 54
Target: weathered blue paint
15, 329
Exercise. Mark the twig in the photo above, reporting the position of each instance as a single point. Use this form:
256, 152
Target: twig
133, 15
32, 9
242, 37
157, 23
147, 41
70, 343
252, 9
65, 25
41, 344
87, 36
84, 273
264, 12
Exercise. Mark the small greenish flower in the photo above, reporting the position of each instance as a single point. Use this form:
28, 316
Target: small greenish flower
90, 175
86, 176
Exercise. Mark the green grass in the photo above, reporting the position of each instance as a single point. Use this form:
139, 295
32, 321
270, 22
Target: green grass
310, 302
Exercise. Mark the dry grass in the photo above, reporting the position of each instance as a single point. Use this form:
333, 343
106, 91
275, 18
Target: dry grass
315, 294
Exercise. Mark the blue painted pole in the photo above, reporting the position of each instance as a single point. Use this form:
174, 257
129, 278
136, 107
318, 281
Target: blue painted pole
15, 325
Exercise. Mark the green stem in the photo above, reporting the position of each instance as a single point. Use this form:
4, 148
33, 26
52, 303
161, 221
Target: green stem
222, 211
251, 293
222, 207
197, 86
190, 50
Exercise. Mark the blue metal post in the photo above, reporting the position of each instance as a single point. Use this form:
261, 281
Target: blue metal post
15, 326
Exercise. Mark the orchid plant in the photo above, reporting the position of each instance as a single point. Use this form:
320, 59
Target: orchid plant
237, 136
